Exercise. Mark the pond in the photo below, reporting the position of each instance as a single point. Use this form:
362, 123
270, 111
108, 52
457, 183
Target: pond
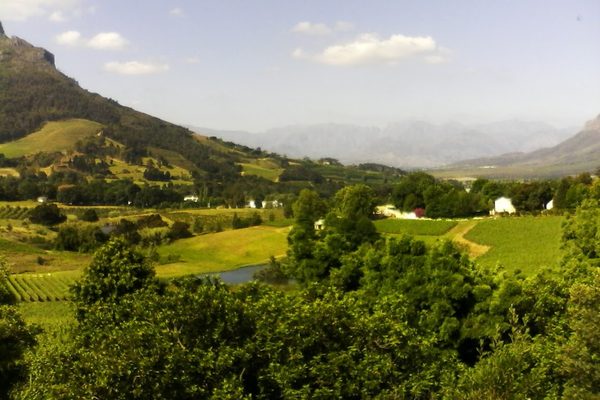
240, 275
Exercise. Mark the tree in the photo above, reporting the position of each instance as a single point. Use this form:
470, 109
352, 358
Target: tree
115, 271
46, 214
89, 215
179, 230
16, 337
354, 202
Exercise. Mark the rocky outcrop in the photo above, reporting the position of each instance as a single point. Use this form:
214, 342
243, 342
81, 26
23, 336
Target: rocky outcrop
18, 50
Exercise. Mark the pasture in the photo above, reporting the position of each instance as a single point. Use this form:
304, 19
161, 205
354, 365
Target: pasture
222, 251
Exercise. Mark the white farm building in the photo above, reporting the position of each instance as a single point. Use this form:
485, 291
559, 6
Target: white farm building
503, 205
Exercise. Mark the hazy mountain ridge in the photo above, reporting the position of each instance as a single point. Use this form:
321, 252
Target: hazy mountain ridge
402, 144
579, 153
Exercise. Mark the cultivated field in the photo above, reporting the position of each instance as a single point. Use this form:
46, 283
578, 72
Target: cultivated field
523, 243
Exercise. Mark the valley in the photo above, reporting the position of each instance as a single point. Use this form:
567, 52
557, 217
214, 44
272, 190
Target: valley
142, 259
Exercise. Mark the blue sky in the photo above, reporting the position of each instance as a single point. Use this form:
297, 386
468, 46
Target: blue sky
254, 65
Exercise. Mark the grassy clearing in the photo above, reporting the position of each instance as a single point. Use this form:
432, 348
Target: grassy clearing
523, 243
222, 251
268, 172
54, 136
122, 170
414, 227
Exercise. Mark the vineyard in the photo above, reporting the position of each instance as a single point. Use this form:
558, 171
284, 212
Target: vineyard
40, 287
8, 212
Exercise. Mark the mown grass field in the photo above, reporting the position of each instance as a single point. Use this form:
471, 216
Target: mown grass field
222, 251
54, 136
519, 243
414, 227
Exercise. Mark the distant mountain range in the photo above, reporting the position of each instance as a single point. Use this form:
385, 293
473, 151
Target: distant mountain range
579, 153
405, 144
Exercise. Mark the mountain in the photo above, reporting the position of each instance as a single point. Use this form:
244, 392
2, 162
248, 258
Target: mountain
51, 127
35, 92
403, 144
579, 153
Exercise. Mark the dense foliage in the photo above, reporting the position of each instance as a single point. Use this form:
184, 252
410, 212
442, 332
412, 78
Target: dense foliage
15, 338
373, 318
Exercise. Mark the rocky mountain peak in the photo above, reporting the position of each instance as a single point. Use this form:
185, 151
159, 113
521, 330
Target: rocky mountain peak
17, 51
593, 124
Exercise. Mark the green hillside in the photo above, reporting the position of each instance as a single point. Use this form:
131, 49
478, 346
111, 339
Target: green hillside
53, 137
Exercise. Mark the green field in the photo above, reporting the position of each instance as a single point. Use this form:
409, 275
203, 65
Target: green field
53, 137
222, 251
40, 287
268, 172
414, 227
55, 318
519, 243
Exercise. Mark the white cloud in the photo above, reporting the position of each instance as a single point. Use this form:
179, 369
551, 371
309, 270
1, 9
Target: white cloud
69, 38
135, 68
371, 49
107, 41
177, 12
320, 29
57, 16
299, 54
310, 28
102, 41
21, 10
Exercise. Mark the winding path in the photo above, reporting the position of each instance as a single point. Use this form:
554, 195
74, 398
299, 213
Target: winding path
457, 235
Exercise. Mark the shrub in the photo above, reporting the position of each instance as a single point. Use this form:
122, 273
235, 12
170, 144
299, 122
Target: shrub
179, 230
46, 214
89, 215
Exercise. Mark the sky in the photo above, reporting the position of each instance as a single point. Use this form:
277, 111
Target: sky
257, 64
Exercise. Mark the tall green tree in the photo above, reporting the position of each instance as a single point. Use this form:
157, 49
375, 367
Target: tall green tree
16, 337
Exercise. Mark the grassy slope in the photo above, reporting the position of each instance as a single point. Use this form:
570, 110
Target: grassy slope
123, 170
54, 136
223, 251
270, 173
524, 243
